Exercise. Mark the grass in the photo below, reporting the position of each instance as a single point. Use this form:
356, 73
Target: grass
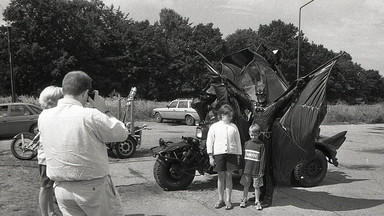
142, 108
336, 114
356, 114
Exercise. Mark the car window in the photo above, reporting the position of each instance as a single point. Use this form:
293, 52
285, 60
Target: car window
3, 111
173, 104
183, 104
20, 110
36, 109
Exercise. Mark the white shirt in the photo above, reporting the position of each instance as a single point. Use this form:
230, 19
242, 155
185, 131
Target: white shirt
73, 139
223, 138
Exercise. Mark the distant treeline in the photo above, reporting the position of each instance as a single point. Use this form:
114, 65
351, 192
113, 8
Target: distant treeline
52, 37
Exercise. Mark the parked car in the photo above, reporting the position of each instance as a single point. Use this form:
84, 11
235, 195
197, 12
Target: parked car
18, 117
179, 110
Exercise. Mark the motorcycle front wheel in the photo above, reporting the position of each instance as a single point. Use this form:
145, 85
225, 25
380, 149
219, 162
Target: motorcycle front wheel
18, 144
171, 178
125, 149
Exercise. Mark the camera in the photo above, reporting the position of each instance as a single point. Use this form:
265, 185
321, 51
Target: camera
92, 95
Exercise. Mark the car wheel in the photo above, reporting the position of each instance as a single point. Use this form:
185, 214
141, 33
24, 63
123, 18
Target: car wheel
34, 129
158, 118
189, 120
310, 173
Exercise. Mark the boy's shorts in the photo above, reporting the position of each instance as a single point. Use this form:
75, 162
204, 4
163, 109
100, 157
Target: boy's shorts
44, 180
226, 162
246, 181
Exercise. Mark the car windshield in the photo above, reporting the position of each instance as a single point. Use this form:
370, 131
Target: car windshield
173, 104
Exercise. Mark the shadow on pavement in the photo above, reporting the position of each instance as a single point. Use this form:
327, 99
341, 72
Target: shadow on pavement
321, 200
317, 200
141, 152
377, 128
337, 177
210, 183
375, 151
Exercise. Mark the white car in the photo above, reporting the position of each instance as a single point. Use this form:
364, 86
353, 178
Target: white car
179, 110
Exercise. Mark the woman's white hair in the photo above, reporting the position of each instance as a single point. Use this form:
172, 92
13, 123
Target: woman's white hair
49, 96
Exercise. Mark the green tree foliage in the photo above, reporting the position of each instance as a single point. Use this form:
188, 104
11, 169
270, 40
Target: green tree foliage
243, 38
52, 37
186, 73
348, 82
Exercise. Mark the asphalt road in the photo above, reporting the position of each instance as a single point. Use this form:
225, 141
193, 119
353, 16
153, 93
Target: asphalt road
355, 187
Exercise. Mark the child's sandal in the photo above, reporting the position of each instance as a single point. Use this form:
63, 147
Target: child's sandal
228, 206
220, 204
243, 203
258, 206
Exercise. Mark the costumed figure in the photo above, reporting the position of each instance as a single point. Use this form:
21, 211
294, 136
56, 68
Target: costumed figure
252, 84
264, 116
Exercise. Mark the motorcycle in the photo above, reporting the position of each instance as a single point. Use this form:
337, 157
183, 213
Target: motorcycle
310, 173
301, 155
176, 163
128, 148
24, 145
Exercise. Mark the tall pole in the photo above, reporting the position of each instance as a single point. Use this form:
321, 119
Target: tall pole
10, 50
298, 41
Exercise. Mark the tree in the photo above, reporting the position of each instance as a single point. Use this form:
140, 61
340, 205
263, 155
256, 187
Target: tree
243, 38
53, 37
185, 71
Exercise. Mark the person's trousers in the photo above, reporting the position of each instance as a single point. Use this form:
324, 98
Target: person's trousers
269, 179
97, 197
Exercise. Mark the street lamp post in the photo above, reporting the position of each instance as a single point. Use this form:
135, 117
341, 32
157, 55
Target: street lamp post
10, 50
298, 41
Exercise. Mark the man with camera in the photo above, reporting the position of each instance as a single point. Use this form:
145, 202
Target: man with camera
73, 137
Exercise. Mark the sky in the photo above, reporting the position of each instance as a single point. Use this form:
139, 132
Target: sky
354, 26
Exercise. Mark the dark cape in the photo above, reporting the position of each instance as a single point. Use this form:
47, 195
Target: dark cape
293, 136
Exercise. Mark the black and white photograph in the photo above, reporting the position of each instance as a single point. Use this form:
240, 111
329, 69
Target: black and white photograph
191, 107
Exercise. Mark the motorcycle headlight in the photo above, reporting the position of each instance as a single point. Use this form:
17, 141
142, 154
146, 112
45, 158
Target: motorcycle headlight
199, 133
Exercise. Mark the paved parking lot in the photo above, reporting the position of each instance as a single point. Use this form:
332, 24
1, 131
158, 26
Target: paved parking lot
356, 187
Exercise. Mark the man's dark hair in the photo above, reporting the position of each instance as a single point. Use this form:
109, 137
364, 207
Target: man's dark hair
76, 82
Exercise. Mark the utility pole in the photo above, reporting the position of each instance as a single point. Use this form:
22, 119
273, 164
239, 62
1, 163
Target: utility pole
298, 41
10, 51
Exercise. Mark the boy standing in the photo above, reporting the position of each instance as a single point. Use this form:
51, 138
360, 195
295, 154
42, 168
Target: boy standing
254, 162
48, 99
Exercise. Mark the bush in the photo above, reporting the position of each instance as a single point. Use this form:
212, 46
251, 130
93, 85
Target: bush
21, 98
142, 109
356, 114
336, 114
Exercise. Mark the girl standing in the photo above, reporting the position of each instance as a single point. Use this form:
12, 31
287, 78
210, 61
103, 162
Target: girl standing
224, 150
